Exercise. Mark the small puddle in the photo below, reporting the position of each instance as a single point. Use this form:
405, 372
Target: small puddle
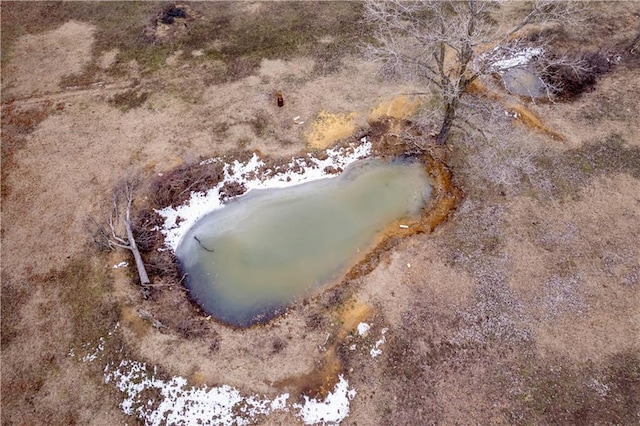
525, 83
250, 260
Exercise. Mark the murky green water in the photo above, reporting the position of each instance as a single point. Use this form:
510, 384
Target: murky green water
260, 253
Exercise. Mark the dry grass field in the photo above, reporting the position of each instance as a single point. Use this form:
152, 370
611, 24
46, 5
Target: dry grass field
522, 308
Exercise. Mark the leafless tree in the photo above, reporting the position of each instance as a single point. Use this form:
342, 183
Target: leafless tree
111, 237
449, 44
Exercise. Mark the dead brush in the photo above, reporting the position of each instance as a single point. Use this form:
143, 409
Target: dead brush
164, 266
498, 157
174, 188
571, 74
170, 189
145, 225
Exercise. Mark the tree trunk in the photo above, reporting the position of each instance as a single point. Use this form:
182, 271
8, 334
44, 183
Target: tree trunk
142, 272
447, 122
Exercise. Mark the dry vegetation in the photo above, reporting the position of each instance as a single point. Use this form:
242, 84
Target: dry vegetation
521, 309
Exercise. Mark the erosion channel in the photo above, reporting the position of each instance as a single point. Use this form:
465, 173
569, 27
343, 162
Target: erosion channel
251, 259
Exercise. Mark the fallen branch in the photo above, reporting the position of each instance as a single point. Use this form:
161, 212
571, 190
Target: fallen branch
112, 240
147, 315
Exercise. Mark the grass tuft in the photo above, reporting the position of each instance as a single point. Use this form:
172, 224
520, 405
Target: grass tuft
558, 392
129, 99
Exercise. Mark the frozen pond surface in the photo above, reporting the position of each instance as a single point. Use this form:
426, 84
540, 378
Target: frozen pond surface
263, 251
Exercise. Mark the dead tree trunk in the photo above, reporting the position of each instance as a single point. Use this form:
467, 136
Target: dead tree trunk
447, 123
142, 272
111, 240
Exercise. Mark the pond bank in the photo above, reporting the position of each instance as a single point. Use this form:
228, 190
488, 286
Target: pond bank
172, 306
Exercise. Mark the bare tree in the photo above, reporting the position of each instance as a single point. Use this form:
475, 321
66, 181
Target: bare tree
111, 237
449, 44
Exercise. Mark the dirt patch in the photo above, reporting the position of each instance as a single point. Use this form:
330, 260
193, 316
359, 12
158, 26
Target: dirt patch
327, 129
402, 107
39, 62
530, 120
107, 59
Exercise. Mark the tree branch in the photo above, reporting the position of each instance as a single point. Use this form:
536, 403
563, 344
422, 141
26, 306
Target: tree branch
437, 42
112, 240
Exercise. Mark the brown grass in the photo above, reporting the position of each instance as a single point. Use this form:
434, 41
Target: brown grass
16, 124
278, 31
530, 120
129, 99
72, 301
478, 358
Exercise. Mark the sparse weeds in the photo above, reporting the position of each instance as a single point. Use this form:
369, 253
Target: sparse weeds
71, 310
495, 317
408, 369
562, 176
561, 295
558, 392
328, 58
260, 123
278, 344
12, 298
83, 286
16, 125
476, 243
192, 328
129, 99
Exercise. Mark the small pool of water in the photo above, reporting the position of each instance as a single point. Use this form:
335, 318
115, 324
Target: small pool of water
523, 82
261, 252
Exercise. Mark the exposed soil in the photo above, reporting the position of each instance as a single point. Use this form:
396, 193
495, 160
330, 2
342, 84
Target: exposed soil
522, 307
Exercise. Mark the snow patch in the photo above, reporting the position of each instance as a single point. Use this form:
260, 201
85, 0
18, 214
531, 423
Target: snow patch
175, 403
517, 59
363, 328
332, 410
156, 401
375, 350
91, 356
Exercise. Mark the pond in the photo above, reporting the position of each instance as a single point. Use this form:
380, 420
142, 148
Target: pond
260, 253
